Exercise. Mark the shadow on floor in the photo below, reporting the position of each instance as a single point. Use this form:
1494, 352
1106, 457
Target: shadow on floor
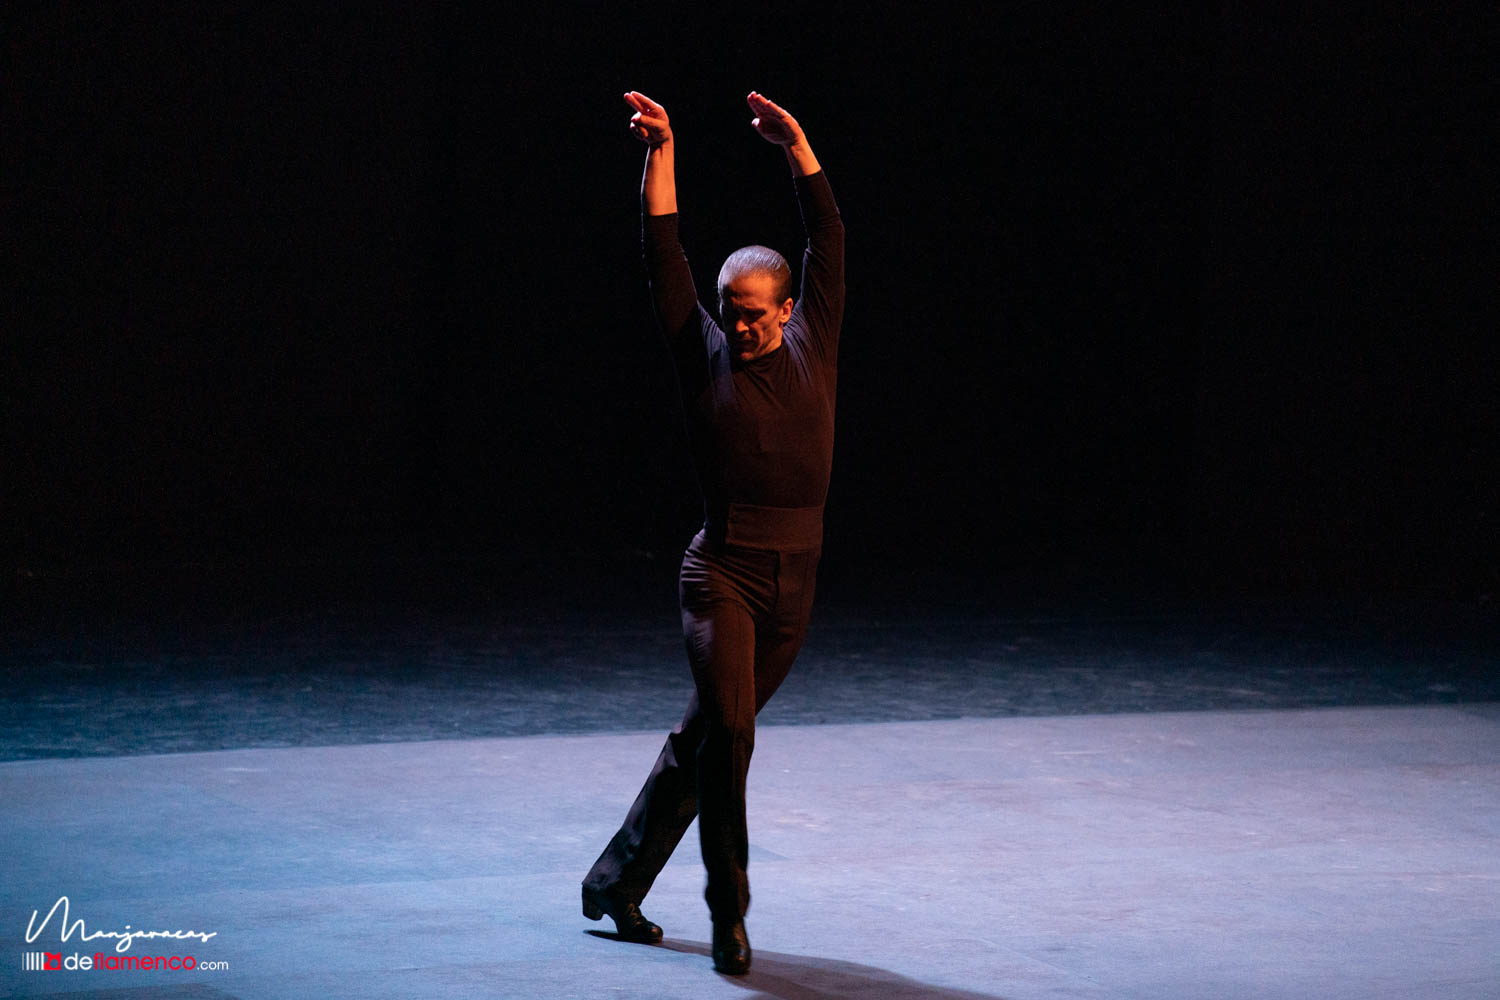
805, 977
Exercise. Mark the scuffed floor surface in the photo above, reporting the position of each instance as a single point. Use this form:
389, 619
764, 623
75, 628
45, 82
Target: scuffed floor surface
351, 655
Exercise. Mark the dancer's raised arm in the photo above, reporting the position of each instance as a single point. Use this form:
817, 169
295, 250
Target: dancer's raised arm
672, 293
651, 125
822, 299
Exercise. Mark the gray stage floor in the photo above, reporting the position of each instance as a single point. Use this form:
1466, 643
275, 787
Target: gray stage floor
1320, 853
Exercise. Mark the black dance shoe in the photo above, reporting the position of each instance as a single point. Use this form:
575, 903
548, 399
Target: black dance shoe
630, 923
731, 948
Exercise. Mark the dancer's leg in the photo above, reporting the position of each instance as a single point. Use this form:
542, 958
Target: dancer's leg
721, 648
660, 815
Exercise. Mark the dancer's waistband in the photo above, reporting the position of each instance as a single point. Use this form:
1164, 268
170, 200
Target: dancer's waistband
752, 527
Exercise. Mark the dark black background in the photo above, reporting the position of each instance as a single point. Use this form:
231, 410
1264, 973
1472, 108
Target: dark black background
1197, 297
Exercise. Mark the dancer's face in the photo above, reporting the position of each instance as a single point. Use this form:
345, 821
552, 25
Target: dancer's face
751, 317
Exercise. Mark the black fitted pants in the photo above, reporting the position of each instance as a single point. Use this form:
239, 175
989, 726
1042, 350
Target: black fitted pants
744, 616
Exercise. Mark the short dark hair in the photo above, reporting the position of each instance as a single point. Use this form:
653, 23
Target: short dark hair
757, 260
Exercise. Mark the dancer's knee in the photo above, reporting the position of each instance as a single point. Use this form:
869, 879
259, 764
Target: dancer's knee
722, 734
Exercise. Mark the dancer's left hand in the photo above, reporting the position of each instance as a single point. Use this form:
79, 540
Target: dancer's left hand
774, 123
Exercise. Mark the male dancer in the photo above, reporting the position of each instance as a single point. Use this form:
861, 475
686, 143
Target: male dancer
758, 392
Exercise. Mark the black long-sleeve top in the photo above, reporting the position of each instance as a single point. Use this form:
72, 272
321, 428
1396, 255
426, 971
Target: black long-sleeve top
761, 431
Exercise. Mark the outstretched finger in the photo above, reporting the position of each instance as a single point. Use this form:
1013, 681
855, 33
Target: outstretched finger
647, 105
761, 104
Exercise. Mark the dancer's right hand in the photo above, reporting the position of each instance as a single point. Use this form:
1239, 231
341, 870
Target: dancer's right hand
649, 123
